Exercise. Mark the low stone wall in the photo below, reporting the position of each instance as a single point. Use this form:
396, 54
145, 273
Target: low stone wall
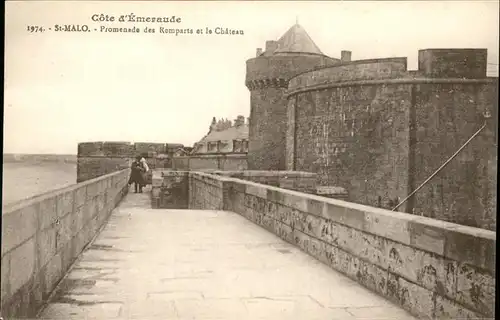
215, 161
206, 191
43, 235
93, 167
293, 180
433, 269
169, 189
332, 192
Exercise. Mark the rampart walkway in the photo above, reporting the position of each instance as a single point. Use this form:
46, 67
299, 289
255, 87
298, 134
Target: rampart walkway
200, 264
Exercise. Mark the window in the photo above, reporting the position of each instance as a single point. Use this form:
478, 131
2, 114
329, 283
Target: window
212, 147
237, 146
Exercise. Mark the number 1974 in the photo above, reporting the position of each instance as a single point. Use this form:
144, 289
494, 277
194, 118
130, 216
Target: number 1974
35, 29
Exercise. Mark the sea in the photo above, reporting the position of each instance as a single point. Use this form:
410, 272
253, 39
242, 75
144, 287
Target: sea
22, 179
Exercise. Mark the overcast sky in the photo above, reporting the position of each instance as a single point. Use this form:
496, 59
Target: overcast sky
65, 88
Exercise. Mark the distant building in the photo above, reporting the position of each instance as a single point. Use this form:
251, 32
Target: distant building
492, 70
224, 137
182, 152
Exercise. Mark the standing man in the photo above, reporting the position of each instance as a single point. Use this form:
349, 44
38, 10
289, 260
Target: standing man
136, 175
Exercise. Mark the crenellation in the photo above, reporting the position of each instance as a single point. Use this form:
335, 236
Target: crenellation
453, 63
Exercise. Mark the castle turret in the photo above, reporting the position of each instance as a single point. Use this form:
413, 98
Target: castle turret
267, 79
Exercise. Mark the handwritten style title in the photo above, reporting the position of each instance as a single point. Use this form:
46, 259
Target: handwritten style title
133, 18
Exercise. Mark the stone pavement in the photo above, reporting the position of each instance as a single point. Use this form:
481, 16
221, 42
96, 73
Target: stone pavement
197, 264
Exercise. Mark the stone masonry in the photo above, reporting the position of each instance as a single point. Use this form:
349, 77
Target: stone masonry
378, 130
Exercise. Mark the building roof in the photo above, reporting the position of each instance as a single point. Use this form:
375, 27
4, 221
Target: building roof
296, 40
232, 133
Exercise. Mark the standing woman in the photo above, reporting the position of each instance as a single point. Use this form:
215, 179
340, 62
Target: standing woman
145, 171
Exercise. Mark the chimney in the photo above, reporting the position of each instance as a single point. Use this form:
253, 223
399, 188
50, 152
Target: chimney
240, 120
218, 126
213, 125
259, 52
271, 46
345, 56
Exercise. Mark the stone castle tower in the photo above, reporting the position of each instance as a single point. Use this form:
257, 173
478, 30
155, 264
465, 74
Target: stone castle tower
377, 129
267, 79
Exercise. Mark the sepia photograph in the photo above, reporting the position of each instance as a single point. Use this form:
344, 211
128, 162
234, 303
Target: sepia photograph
251, 160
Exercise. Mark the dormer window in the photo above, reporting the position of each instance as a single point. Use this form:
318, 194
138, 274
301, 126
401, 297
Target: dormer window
237, 146
212, 146
222, 146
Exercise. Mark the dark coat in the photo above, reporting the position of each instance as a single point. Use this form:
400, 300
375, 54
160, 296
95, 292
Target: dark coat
137, 174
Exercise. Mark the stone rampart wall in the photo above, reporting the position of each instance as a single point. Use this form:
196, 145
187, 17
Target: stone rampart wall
292, 180
216, 162
96, 159
206, 191
92, 167
379, 134
99, 158
43, 235
379, 69
169, 189
456, 63
282, 67
433, 269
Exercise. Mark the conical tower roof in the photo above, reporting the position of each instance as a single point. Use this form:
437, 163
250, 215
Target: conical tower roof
296, 40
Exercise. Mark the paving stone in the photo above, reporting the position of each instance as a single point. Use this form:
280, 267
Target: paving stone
385, 313
210, 309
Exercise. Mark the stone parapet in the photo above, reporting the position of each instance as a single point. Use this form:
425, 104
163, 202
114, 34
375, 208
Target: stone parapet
374, 69
169, 189
92, 167
149, 148
453, 63
332, 192
433, 269
99, 158
207, 191
211, 161
268, 68
42, 236
96, 159
292, 180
